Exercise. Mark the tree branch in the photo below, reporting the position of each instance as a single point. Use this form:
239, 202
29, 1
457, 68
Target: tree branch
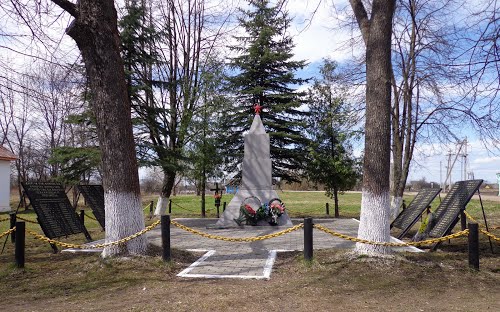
361, 17
67, 6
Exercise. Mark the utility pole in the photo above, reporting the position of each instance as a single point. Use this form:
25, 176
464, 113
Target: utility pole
449, 168
441, 174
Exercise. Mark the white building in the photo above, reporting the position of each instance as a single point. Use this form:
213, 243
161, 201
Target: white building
5, 158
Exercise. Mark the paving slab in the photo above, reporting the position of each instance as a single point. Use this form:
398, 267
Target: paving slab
246, 260
251, 259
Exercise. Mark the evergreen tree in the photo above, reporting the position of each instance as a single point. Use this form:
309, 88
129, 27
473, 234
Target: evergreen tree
204, 154
137, 38
330, 153
82, 159
265, 76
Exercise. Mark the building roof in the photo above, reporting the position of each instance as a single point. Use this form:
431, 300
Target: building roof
5, 154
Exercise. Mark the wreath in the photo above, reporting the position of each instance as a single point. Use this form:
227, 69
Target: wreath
252, 214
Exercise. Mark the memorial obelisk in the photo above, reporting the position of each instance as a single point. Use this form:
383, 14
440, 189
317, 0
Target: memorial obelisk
256, 175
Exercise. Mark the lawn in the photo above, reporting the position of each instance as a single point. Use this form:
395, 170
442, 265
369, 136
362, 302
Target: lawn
334, 280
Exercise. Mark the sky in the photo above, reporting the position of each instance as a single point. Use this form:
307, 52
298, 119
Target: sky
315, 39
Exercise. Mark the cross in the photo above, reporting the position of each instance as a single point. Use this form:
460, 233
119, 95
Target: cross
216, 189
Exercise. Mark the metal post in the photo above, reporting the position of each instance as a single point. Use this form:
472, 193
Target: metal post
165, 237
473, 246
327, 209
308, 239
224, 207
169, 206
13, 218
463, 220
218, 210
82, 216
20, 240
151, 210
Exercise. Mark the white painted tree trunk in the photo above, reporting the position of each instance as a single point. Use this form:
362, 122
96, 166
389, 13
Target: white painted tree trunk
395, 206
374, 224
124, 217
161, 206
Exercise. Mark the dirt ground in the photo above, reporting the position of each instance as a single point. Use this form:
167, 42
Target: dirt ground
336, 280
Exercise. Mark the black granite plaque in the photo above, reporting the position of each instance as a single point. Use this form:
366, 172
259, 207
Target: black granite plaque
55, 214
455, 201
94, 196
409, 216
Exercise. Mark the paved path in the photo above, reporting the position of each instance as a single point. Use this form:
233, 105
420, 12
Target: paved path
249, 260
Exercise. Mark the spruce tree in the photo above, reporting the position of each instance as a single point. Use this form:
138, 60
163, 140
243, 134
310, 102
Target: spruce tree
330, 158
265, 75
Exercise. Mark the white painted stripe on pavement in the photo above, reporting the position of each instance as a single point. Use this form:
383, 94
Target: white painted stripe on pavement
268, 267
266, 270
196, 263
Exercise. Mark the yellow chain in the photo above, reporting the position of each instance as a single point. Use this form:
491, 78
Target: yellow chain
364, 241
27, 220
4, 219
490, 235
67, 245
471, 218
7, 232
238, 239
480, 225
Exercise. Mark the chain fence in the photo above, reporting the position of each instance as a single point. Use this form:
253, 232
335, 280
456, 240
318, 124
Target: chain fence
95, 246
7, 232
364, 241
489, 234
249, 239
237, 239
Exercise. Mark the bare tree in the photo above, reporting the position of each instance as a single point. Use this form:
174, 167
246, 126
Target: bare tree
188, 32
375, 24
15, 124
433, 99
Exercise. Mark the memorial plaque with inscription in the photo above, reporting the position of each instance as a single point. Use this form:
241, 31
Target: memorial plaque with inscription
409, 216
55, 214
450, 208
94, 195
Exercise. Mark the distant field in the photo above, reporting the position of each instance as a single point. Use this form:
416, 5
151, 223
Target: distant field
301, 204
298, 204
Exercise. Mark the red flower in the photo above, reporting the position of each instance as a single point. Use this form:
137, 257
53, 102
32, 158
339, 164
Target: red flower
279, 207
250, 209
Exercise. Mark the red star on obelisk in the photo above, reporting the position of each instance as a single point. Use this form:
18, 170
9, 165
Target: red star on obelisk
257, 109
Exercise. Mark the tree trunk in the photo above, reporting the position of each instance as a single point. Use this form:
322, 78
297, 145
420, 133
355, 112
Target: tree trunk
96, 34
166, 191
375, 205
203, 197
336, 201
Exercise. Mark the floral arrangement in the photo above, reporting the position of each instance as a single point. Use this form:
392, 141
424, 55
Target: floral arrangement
269, 212
217, 196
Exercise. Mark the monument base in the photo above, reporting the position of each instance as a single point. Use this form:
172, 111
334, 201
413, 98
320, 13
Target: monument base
233, 209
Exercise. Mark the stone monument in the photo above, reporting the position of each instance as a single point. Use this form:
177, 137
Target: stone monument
256, 175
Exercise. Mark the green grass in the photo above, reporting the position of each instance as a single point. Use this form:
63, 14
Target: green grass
298, 204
